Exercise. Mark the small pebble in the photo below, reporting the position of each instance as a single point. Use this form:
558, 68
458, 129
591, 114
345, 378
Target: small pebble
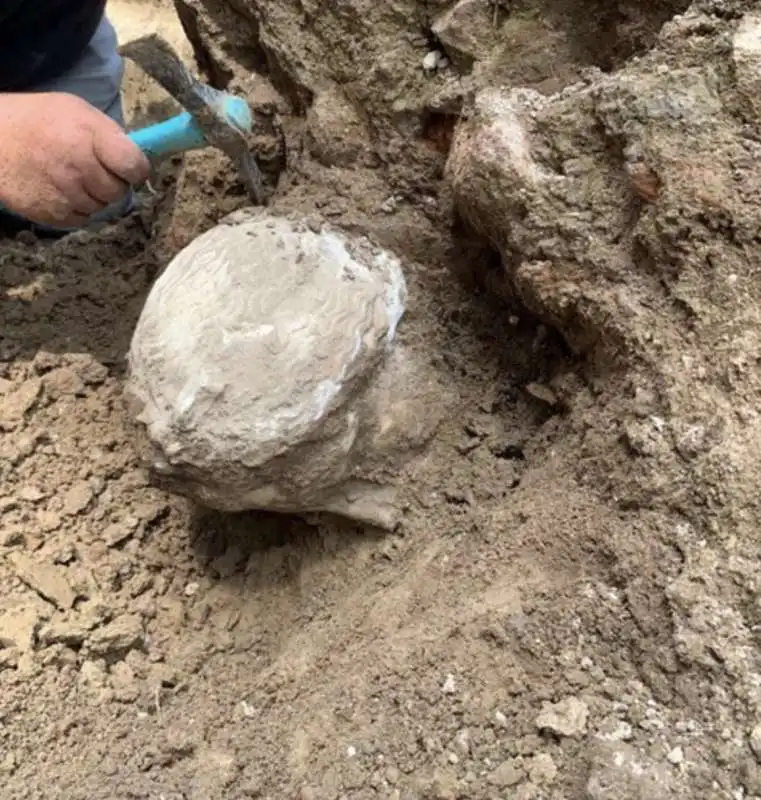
755, 742
449, 686
676, 756
542, 393
431, 60
506, 775
31, 494
542, 770
77, 498
9, 763
392, 775
390, 204
565, 718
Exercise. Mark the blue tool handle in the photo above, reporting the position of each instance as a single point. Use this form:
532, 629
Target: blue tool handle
171, 137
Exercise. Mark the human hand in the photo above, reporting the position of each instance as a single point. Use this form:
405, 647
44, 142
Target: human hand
62, 160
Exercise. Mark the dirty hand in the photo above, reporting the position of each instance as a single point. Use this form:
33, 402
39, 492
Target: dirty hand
61, 160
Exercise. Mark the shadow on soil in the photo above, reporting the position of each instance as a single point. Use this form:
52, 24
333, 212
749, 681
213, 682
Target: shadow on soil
224, 544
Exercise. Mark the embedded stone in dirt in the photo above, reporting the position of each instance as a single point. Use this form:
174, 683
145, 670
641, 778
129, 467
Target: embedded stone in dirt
118, 637
48, 581
542, 769
265, 372
746, 58
566, 718
15, 405
755, 741
467, 31
337, 136
620, 772
19, 623
63, 381
77, 498
506, 775
71, 632
214, 768
577, 189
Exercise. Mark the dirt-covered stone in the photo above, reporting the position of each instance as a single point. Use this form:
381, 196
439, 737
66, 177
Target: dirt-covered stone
265, 372
582, 525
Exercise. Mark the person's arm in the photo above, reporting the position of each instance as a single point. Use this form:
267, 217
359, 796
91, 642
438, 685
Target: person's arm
61, 160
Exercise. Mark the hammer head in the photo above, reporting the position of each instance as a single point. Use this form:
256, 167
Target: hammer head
224, 120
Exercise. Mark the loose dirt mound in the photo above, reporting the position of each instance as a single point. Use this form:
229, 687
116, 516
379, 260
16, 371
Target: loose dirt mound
570, 608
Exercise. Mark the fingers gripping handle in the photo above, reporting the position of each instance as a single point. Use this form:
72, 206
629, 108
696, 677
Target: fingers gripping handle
171, 137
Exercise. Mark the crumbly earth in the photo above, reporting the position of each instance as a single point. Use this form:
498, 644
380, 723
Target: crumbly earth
571, 606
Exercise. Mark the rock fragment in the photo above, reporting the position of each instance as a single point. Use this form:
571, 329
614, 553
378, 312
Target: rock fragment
117, 533
48, 581
619, 772
228, 563
508, 773
19, 623
434, 60
337, 137
500, 719
746, 57
71, 632
542, 770
214, 768
9, 763
124, 683
90, 371
567, 718
117, 637
31, 494
93, 679
552, 207
288, 401
16, 404
467, 32
48, 521
77, 498
63, 381
542, 393
754, 740
675, 756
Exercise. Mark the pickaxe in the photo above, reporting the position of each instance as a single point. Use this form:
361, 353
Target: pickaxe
211, 117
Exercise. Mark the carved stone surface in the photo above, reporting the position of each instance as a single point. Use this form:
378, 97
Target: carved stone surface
262, 376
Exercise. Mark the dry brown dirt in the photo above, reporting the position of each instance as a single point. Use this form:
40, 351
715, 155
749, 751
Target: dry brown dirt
571, 608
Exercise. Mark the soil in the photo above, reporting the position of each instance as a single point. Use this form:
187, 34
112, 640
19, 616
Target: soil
570, 608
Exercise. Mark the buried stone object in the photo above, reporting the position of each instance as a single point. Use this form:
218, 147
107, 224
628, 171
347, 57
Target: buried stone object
265, 372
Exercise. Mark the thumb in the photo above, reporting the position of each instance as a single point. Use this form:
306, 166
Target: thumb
120, 155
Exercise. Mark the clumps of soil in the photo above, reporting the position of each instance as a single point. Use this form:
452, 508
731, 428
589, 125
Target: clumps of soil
607, 35
569, 608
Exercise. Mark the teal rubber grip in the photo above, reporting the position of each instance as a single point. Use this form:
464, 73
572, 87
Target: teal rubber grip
176, 135
181, 133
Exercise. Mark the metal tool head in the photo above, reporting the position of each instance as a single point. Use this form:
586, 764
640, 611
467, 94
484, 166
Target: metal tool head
224, 120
